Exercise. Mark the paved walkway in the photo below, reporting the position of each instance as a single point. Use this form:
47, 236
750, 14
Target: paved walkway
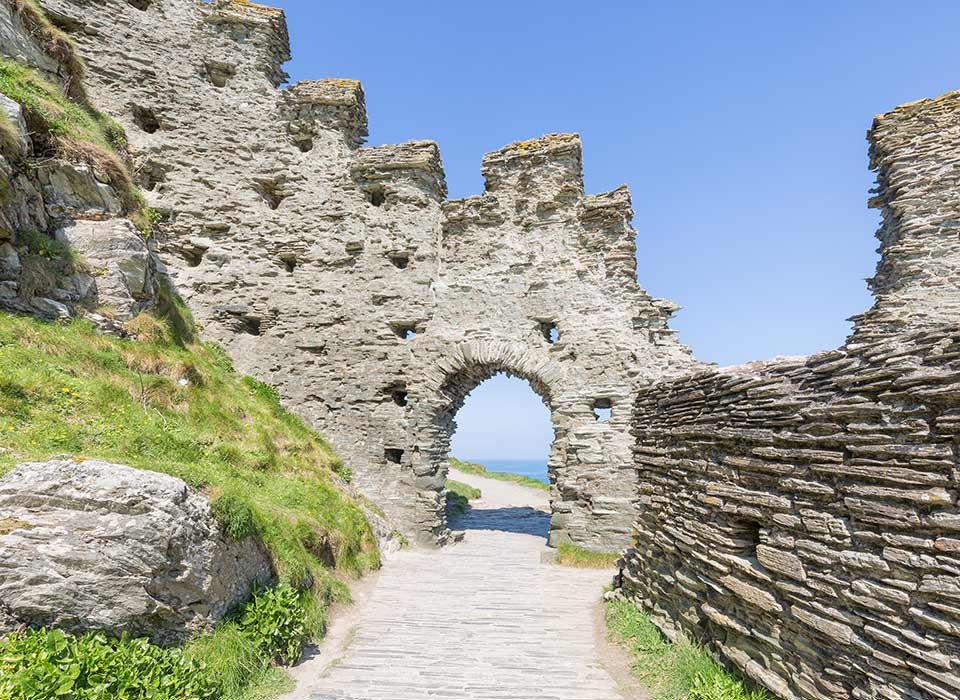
480, 619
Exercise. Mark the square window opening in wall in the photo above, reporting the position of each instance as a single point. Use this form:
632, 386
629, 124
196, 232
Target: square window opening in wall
602, 410
400, 260
746, 536
251, 326
549, 331
377, 196
393, 455
407, 331
399, 397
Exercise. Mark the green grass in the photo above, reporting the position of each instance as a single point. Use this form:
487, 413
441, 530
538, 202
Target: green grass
672, 671
459, 496
480, 470
181, 409
68, 129
569, 554
170, 404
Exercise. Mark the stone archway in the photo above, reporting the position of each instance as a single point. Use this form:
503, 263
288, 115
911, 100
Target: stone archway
468, 366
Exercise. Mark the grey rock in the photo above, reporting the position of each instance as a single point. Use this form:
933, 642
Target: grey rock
50, 308
14, 113
92, 545
72, 190
116, 262
9, 263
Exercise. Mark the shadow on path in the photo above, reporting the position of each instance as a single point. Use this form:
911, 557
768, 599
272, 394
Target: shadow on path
522, 520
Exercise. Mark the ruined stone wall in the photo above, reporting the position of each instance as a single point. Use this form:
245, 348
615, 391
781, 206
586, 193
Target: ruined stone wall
342, 275
800, 516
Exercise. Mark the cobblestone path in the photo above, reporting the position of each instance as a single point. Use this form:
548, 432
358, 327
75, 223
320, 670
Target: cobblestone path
480, 619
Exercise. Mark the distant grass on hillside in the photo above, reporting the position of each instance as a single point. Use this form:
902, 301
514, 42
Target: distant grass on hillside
569, 554
480, 470
459, 496
672, 671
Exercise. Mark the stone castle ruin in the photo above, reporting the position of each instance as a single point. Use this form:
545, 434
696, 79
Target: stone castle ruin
799, 516
342, 276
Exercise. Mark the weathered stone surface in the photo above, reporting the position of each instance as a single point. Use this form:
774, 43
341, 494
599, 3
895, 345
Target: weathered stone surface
117, 265
344, 277
92, 545
832, 480
71, 190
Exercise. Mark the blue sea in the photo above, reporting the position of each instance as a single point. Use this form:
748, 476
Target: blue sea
534, 468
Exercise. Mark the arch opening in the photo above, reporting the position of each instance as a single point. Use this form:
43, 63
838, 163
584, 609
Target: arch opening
502, 420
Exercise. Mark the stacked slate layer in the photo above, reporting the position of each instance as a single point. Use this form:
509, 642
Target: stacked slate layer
800, 516
344, 277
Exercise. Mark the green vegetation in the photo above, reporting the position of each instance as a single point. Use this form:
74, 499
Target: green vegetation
672, 671
45, 665
68, 129
235, 662
569, 554
167, 403
479, 470
54, 42
459, 496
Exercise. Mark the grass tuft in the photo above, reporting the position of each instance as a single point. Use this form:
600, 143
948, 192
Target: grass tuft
54, 42
459, 496
480, 470
569, 554
672, 671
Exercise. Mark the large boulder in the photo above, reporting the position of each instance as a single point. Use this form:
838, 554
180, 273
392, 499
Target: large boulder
92, 545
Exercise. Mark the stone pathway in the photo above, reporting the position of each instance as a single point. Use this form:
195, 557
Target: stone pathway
480, 619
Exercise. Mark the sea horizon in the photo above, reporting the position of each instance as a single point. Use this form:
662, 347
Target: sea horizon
533, 468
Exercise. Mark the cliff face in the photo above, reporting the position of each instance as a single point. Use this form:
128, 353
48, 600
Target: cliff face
342, 275
68, 245
800, 516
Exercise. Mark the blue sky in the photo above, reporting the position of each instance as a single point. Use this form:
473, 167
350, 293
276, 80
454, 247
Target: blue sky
739, 127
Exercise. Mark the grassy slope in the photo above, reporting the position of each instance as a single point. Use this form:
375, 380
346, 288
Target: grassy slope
672, 671
182, 410
569, 554
480, 470
459, 496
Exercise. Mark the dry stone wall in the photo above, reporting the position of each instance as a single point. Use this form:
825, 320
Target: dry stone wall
344, 277
800, 516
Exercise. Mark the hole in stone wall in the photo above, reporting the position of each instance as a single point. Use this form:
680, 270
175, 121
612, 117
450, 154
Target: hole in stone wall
400, 260
151, 174
377, 196
251, 326
192, 256
219, 73
399, 397
272, 191
549, 331
305, 144
407, 331
746, 536
289, 261
602, 410
140, 4
146, 119
393, 455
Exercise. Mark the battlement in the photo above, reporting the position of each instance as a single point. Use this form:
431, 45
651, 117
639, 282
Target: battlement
331, 103
549, 167
415, 163
915, 148
269, 23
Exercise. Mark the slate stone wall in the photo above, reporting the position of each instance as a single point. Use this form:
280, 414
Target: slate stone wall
800, 516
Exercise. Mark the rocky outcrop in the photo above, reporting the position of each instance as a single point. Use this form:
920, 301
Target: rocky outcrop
66, 246
92, 545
